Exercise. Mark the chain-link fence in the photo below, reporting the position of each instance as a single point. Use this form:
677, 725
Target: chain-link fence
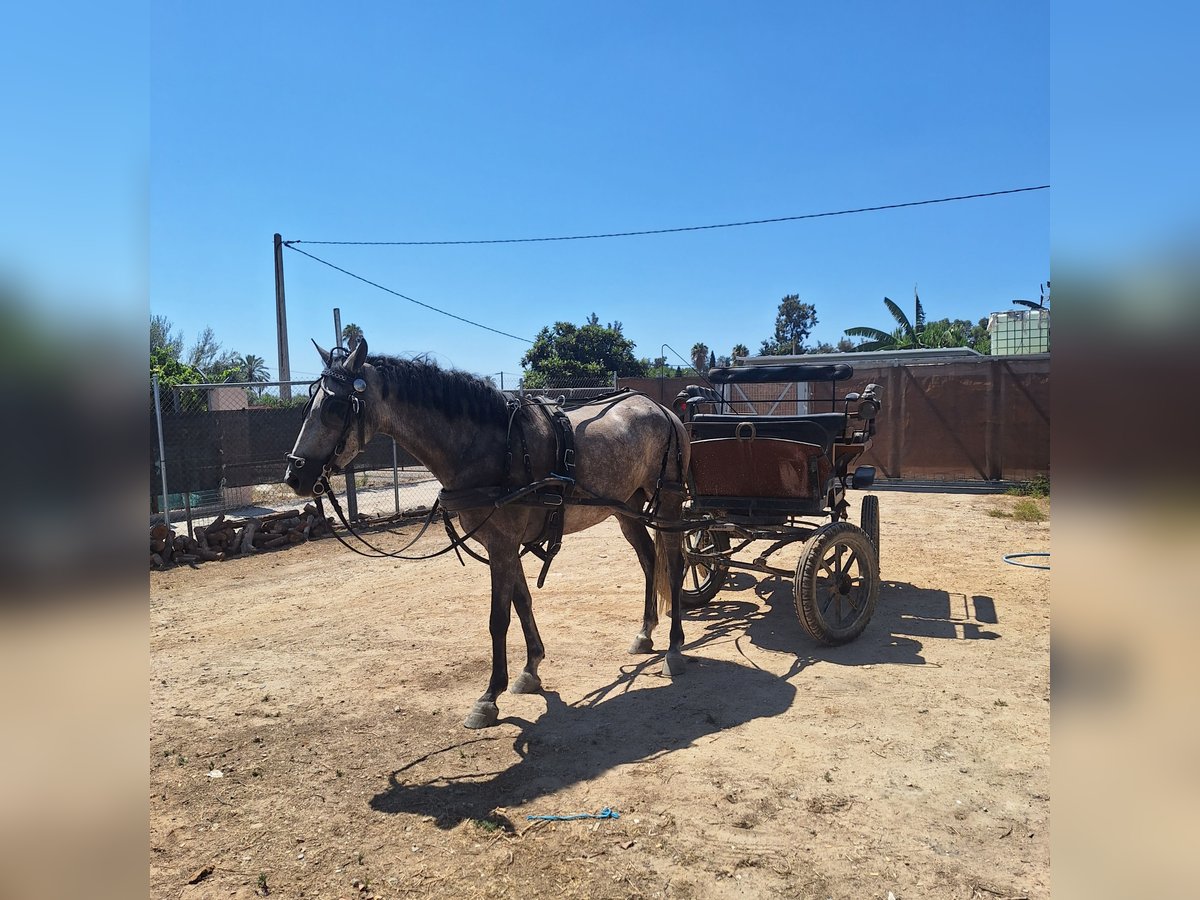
569, 390
219, 449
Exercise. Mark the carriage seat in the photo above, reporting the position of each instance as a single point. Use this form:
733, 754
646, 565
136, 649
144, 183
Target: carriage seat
822, 429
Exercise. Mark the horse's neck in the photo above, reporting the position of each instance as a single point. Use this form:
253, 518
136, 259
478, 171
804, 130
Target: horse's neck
458, 450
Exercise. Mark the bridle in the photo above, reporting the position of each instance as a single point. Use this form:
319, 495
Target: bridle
337, 411
343, 412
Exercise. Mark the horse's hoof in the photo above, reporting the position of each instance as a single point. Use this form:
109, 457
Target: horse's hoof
673, 664
642, 645
482, 715
526, 683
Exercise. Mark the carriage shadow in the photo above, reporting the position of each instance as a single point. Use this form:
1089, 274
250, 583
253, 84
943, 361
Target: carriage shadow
575, 743
905, 618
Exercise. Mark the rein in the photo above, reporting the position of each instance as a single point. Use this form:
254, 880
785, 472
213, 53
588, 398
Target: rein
551, 493
456, 541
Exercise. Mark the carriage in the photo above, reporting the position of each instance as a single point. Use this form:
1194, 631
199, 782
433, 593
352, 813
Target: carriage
784, 479
520, 473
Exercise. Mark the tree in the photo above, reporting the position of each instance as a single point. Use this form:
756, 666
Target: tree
162, 336
844, 344
571, 352
253, 368
824, 347
712, 359
907, 336
207, 356
1043, 299
351, 335
793, 324
699, 356
739, 350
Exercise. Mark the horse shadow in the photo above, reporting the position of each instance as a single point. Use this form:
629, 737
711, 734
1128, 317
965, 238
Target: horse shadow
906, 617
574, 743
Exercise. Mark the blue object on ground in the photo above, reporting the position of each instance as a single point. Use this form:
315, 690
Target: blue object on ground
605, 813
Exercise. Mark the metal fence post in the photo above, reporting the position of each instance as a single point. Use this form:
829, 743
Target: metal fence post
395, 477
162, 454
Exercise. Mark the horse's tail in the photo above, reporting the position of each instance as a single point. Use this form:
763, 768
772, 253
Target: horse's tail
663, 541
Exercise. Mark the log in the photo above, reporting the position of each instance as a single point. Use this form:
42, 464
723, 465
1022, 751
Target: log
277, 541
158, 546
295, 536
282, 514
160, 532
248, 536
157, 561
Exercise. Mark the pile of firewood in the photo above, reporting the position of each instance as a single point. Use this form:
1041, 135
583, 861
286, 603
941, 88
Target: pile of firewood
225, 538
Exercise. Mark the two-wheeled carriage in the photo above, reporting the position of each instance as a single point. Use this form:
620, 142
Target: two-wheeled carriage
783, 479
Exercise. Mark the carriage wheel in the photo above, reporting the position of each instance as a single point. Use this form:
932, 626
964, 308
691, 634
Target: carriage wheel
703, 579
837, 583
870, 518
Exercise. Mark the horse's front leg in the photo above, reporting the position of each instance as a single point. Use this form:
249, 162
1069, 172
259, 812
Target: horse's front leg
505, 564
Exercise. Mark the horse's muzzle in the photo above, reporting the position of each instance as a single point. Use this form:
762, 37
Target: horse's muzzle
299, 481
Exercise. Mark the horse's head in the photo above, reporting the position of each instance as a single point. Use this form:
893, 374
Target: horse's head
336, 424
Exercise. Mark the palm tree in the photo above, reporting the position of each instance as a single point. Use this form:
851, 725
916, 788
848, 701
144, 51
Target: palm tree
739, 350
1043, 300
253, 368
700, 356
351, 334
908, 336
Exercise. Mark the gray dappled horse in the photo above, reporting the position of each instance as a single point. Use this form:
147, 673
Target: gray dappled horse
459, 427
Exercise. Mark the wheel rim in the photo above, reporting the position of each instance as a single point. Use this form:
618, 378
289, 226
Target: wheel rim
699, 572
842, 584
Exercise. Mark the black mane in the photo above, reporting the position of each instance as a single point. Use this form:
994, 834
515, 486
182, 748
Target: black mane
454, 392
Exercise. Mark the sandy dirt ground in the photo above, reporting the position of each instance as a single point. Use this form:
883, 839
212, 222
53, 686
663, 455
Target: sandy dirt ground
307, 741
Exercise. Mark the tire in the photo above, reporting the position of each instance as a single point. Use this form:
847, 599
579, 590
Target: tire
837, 583
870, 519
703, 580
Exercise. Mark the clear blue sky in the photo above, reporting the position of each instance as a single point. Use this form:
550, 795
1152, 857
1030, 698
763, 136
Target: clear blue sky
462, 121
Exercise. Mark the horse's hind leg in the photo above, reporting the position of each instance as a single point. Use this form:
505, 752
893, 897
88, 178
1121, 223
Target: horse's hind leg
637, 535
528, 681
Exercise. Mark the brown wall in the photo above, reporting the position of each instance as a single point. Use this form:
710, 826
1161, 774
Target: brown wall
985, 418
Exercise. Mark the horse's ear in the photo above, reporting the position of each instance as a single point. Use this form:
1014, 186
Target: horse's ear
358, 355
325, 356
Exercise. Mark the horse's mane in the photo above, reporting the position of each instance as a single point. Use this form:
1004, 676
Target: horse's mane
454, 392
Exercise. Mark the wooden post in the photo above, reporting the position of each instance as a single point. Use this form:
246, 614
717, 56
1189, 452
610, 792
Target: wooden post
285, 368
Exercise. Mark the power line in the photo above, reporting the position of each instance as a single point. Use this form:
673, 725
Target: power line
614, 234
326, 262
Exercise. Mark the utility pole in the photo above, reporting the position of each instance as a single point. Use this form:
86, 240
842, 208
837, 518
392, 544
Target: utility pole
285, 368
351, 494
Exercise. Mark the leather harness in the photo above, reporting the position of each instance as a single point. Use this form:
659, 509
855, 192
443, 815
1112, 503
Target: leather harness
557, 490
552, 493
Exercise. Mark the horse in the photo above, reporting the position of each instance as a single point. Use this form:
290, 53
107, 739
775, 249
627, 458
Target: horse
629, 454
